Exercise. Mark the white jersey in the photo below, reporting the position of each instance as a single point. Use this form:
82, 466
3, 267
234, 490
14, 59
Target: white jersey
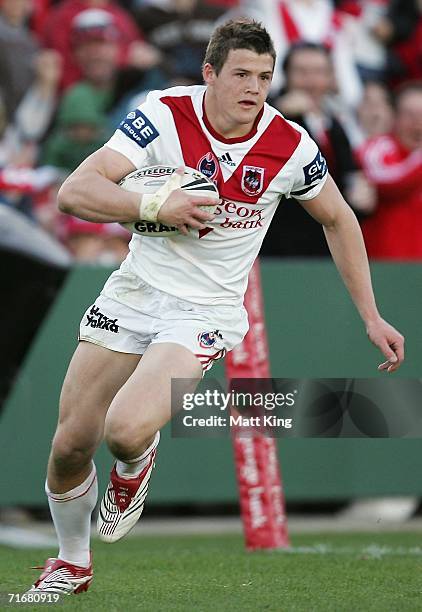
277, 158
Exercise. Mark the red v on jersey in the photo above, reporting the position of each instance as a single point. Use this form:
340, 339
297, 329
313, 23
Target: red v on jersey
252, 174
264, 160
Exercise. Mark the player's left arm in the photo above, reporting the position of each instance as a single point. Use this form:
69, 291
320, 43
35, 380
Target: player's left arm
347, 248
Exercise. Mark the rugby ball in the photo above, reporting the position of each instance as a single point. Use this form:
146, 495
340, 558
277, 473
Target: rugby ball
150, 179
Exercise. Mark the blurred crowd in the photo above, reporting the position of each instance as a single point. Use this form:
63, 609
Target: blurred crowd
349, 71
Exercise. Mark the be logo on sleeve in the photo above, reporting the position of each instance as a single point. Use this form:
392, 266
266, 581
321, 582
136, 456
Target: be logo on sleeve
139, 128
315, 170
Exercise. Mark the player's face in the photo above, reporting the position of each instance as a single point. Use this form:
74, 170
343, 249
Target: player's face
237, 94
409, 120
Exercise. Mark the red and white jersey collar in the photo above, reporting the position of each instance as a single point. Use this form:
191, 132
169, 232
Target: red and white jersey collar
221, 138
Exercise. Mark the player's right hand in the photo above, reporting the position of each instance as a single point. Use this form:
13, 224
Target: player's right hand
181, 209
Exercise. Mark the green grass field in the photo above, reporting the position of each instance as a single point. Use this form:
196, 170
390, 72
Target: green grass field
338, 572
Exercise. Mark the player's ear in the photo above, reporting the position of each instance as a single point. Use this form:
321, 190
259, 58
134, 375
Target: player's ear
208, 73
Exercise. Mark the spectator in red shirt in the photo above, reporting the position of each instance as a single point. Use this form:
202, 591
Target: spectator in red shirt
400, 30
58, 35
393, 163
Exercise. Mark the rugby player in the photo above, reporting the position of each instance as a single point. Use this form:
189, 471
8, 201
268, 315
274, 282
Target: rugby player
176, 304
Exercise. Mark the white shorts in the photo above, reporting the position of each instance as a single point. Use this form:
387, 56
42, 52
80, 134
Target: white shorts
129, 315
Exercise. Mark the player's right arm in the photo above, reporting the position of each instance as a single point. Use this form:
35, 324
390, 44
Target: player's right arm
321, 198
91, 193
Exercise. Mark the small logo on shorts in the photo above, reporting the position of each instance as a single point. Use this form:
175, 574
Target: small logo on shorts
98, 320
208, 339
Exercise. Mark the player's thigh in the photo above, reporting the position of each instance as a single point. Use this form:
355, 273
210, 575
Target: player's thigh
94, 377
143, 404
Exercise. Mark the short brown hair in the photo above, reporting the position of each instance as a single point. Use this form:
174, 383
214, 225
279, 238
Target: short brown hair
237, 34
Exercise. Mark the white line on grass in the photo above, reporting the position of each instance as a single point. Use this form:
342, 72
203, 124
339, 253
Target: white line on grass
371, 551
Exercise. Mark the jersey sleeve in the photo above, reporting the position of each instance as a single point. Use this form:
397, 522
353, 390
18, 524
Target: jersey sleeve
136, 135
310, 169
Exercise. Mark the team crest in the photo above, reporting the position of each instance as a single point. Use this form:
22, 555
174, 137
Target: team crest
208, 165
208, 339
252, 180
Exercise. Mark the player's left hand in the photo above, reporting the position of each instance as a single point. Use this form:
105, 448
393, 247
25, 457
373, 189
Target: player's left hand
389, 341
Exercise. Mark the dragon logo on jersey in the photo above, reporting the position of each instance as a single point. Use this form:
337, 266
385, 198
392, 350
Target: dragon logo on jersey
252, 180
208, 165
208, 339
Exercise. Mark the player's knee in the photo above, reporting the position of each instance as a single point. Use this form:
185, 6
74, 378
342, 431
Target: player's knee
69, 453
122, 442
126, 441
